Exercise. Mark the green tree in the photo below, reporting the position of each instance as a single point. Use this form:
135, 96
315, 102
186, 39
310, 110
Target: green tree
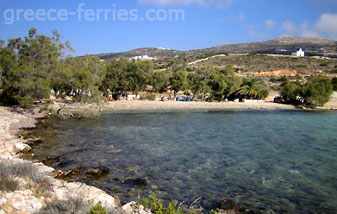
160, 81
290, 92
88, 74
138, 75
178, 81
115, 80
198, 83
218, 85
232, 80
317, 91
61, 81
253, 88
36, 59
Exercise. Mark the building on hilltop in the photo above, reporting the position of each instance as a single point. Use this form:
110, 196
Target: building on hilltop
144, 57
299, 53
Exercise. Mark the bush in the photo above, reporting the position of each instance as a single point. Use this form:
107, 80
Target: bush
317, 91
157, 207
290, 92
334, 71
8, 184
24, 169
37, 183
72, 205
149, 97
98, 209
334, 83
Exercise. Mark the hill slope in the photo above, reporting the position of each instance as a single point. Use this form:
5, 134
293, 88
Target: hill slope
283, 45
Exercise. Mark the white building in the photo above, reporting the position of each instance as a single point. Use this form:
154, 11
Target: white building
299, 53
144, 57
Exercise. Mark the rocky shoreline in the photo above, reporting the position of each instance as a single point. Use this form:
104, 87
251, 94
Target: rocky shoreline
30, 188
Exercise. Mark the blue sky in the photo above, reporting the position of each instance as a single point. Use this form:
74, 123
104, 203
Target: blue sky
206, 22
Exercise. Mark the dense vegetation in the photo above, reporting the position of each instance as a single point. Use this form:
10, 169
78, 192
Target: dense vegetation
36, 66
315, 92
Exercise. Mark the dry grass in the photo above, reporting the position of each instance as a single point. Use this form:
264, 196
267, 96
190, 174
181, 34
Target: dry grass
253, 63
35, 181
8, 184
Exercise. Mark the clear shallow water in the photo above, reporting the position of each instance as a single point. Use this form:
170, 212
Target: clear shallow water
281, 161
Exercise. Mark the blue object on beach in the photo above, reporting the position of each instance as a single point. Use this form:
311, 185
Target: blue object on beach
178, 98
188, 99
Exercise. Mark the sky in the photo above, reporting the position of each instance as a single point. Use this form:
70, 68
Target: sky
106, 26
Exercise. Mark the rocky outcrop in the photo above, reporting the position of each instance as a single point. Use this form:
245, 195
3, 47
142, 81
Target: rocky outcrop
34, 183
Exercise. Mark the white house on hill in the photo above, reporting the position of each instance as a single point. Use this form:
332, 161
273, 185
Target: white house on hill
299, 53
144, 57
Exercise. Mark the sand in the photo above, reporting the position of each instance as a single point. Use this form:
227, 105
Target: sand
167, 105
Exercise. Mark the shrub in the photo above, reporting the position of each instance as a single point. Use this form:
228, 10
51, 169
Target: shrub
317, 91
290, 92
150, 97
72, 205
334, 83
8, 184
157, 207
98, 209
24, 169
8, 170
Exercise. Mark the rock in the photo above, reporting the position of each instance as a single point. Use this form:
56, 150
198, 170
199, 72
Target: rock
97, 171
75, 171
21, 212
7, 208
48, 200
50, 161
34, 141
133, 208
138, 182
22, 148
227, 204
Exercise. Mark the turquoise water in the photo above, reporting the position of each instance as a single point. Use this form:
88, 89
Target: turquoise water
276, 161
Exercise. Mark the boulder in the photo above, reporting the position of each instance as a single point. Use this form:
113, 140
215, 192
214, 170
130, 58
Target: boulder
22, 147
134, 208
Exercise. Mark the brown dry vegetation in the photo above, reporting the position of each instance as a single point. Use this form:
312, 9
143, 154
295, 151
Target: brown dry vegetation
258, 63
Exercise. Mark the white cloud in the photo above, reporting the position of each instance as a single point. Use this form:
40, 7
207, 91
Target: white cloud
327, 24
241, 17
305, 30
290, 27
252, 32
269, 24
219, 3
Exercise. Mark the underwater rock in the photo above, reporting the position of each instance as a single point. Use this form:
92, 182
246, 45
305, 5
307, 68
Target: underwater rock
75, 171
50, 160
138, 182
228, 205
34, 141
97, 171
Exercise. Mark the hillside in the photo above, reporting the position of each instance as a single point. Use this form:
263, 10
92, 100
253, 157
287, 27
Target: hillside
284, 45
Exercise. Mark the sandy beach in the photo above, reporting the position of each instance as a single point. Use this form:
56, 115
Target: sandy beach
167, 105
